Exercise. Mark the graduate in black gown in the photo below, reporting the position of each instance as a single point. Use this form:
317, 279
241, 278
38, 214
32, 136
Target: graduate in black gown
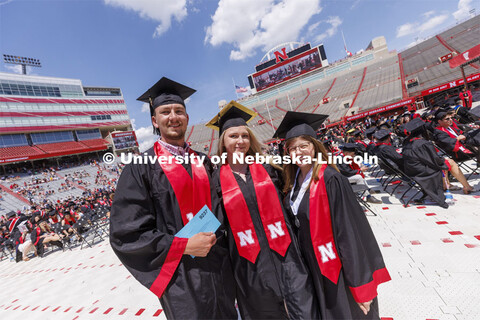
334, 234
461, 146
371, 144
153, 201
386, 151
272, 279
423, 163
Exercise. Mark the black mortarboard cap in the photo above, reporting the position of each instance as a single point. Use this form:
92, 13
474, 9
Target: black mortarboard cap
381, 134
166, 91
370, 131
440, 114
296, 124
232, 115
414, 126
357, 133
349, 147
11, 214
475, 111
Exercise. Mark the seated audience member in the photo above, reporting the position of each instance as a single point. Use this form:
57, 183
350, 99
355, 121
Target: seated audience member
385, 150
371, 144
450, 138
41, 234
423, 163
354, 172
23, 242
358, 140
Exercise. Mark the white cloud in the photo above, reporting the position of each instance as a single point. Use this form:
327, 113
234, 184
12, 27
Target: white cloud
161, 11
16, 68
418, 28
464, 6
355, 4
429, 14
145, 138
405, 29
263, 24
3, 2
145, 107
432, 23
334, 22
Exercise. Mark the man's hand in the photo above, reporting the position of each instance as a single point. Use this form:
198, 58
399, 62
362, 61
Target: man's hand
461, 137
200, 244
365, 306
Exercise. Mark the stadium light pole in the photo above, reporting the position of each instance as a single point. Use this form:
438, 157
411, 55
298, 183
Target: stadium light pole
23, 61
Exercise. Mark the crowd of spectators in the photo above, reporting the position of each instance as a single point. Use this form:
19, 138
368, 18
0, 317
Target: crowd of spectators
28, 232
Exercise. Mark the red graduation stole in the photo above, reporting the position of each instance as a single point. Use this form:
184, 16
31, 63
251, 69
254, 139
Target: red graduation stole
458, 145
321, 229
193, 192
269, 207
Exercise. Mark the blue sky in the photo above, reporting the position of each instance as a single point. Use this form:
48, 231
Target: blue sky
203, 43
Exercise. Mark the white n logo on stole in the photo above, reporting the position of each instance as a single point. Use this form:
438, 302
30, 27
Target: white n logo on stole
189, 216
245, 237
276, 230
327, 252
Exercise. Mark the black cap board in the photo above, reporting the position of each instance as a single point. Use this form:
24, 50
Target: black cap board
381, 134
370, 131
166, 91
232, 115
414, 126
349, 147
296, 124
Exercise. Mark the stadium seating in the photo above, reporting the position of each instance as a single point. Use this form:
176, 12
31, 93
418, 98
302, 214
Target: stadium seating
20, 151
354, 85
63, 147
95, 143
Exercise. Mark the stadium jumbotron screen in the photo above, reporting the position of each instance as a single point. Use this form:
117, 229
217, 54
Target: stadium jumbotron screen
288, 69
124, 140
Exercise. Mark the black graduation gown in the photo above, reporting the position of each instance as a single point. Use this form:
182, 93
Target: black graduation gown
389, 152
371, 148
424, 165
145, 217
273, 282
356, 246
450, 145
361, 147
347, 170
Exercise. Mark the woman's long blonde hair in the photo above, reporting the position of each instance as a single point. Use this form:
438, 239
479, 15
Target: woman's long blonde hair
290, 170
255, 146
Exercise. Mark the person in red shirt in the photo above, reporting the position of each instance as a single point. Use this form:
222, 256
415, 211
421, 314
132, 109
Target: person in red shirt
466, 96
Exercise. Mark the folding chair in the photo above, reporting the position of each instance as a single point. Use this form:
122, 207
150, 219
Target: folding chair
409, 182
87, 231
461, 164
359, 190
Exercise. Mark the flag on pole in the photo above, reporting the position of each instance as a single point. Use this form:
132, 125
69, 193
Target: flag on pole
349, 54
239, 89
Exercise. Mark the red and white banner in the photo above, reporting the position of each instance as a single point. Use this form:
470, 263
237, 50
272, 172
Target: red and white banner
451, 84
465, 57
381, 109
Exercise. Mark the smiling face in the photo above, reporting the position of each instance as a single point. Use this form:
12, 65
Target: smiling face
300, 147
171, 120
447, 121
236, 140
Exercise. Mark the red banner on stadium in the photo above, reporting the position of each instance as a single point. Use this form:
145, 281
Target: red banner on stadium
465, 57
381, 109
451, 84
